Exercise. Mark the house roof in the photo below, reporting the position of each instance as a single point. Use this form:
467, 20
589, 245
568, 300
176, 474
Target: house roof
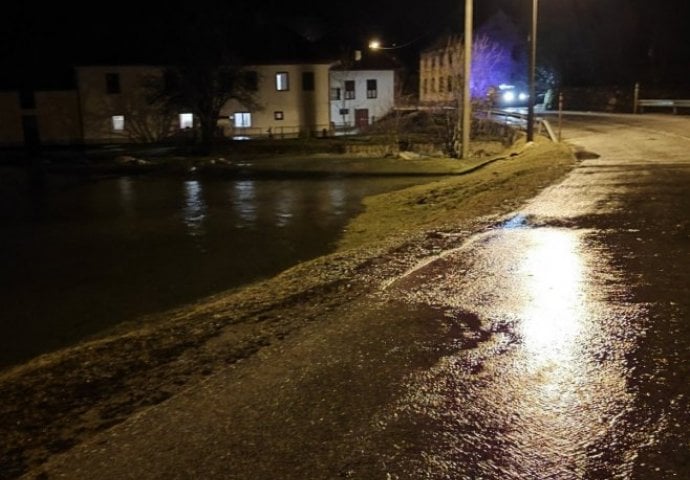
369, 61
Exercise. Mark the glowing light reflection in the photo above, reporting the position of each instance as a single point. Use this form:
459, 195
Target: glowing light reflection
554, 284
338, 197
245, 200
285, 207
194, 211
126, 194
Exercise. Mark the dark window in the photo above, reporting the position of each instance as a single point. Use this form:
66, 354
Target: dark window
27, 100
252, 81
171, 80
349, 89
278, 115
425, 86
371, 89
308, 81
344, 111
450, 83
112, 83
335, 94
227, 80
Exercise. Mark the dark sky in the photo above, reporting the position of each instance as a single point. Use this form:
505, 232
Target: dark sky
592, 41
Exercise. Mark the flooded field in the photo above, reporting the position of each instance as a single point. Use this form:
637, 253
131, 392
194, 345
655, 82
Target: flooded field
81, 255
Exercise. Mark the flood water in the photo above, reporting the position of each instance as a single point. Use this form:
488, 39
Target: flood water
81, 255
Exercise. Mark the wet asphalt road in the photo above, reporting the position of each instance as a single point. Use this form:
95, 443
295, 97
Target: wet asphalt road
555, 345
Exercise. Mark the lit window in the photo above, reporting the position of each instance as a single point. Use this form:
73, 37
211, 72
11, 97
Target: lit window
118, 123
372, 89
278, 115
243, 119
282, 83
335, 94
349, 89
186, 120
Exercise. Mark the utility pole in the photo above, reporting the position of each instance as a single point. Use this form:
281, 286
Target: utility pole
467, 94
532, 68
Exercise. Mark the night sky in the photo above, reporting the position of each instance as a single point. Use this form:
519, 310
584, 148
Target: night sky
591, 41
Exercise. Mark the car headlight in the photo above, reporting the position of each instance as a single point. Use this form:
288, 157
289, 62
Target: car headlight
509, 97
523, 96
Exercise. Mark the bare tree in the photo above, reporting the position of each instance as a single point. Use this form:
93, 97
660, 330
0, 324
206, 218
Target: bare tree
205, 74
490, 62
203, 89
144, 120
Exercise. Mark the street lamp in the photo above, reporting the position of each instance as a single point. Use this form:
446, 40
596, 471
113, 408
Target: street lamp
376, 45
532, 68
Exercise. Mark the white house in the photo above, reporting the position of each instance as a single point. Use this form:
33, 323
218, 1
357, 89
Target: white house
361, 92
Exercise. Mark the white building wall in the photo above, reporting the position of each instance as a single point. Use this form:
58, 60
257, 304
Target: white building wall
377, 107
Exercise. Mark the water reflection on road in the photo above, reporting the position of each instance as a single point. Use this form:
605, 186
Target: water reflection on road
538, 389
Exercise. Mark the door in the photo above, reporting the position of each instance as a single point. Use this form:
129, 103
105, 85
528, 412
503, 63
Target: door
361, 117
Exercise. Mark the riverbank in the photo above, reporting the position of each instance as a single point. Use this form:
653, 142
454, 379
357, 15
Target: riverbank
306, 159
58, 400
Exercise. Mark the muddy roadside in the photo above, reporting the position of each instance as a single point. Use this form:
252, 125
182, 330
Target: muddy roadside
58, 400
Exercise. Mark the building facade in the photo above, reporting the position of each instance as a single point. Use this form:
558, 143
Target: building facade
112, 104
440, 72
291, 101
41, 117
498, 59
360, 97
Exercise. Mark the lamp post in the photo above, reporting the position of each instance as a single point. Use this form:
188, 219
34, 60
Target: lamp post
466, 94
532, 68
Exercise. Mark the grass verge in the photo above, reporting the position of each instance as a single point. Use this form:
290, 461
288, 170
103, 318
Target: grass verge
499, 186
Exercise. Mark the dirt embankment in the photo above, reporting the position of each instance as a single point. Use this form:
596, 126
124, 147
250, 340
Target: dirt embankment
57, 400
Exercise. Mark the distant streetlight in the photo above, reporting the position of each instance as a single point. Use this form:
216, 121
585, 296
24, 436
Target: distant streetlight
532, 68
375, 45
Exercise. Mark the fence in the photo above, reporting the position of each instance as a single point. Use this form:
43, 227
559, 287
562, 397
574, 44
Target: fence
279, 132
519, 120
662, 103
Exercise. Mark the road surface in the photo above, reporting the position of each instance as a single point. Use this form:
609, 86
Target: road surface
555, 345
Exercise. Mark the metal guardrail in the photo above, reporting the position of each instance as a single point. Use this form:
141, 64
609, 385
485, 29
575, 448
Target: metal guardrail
661, 103
520, 120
